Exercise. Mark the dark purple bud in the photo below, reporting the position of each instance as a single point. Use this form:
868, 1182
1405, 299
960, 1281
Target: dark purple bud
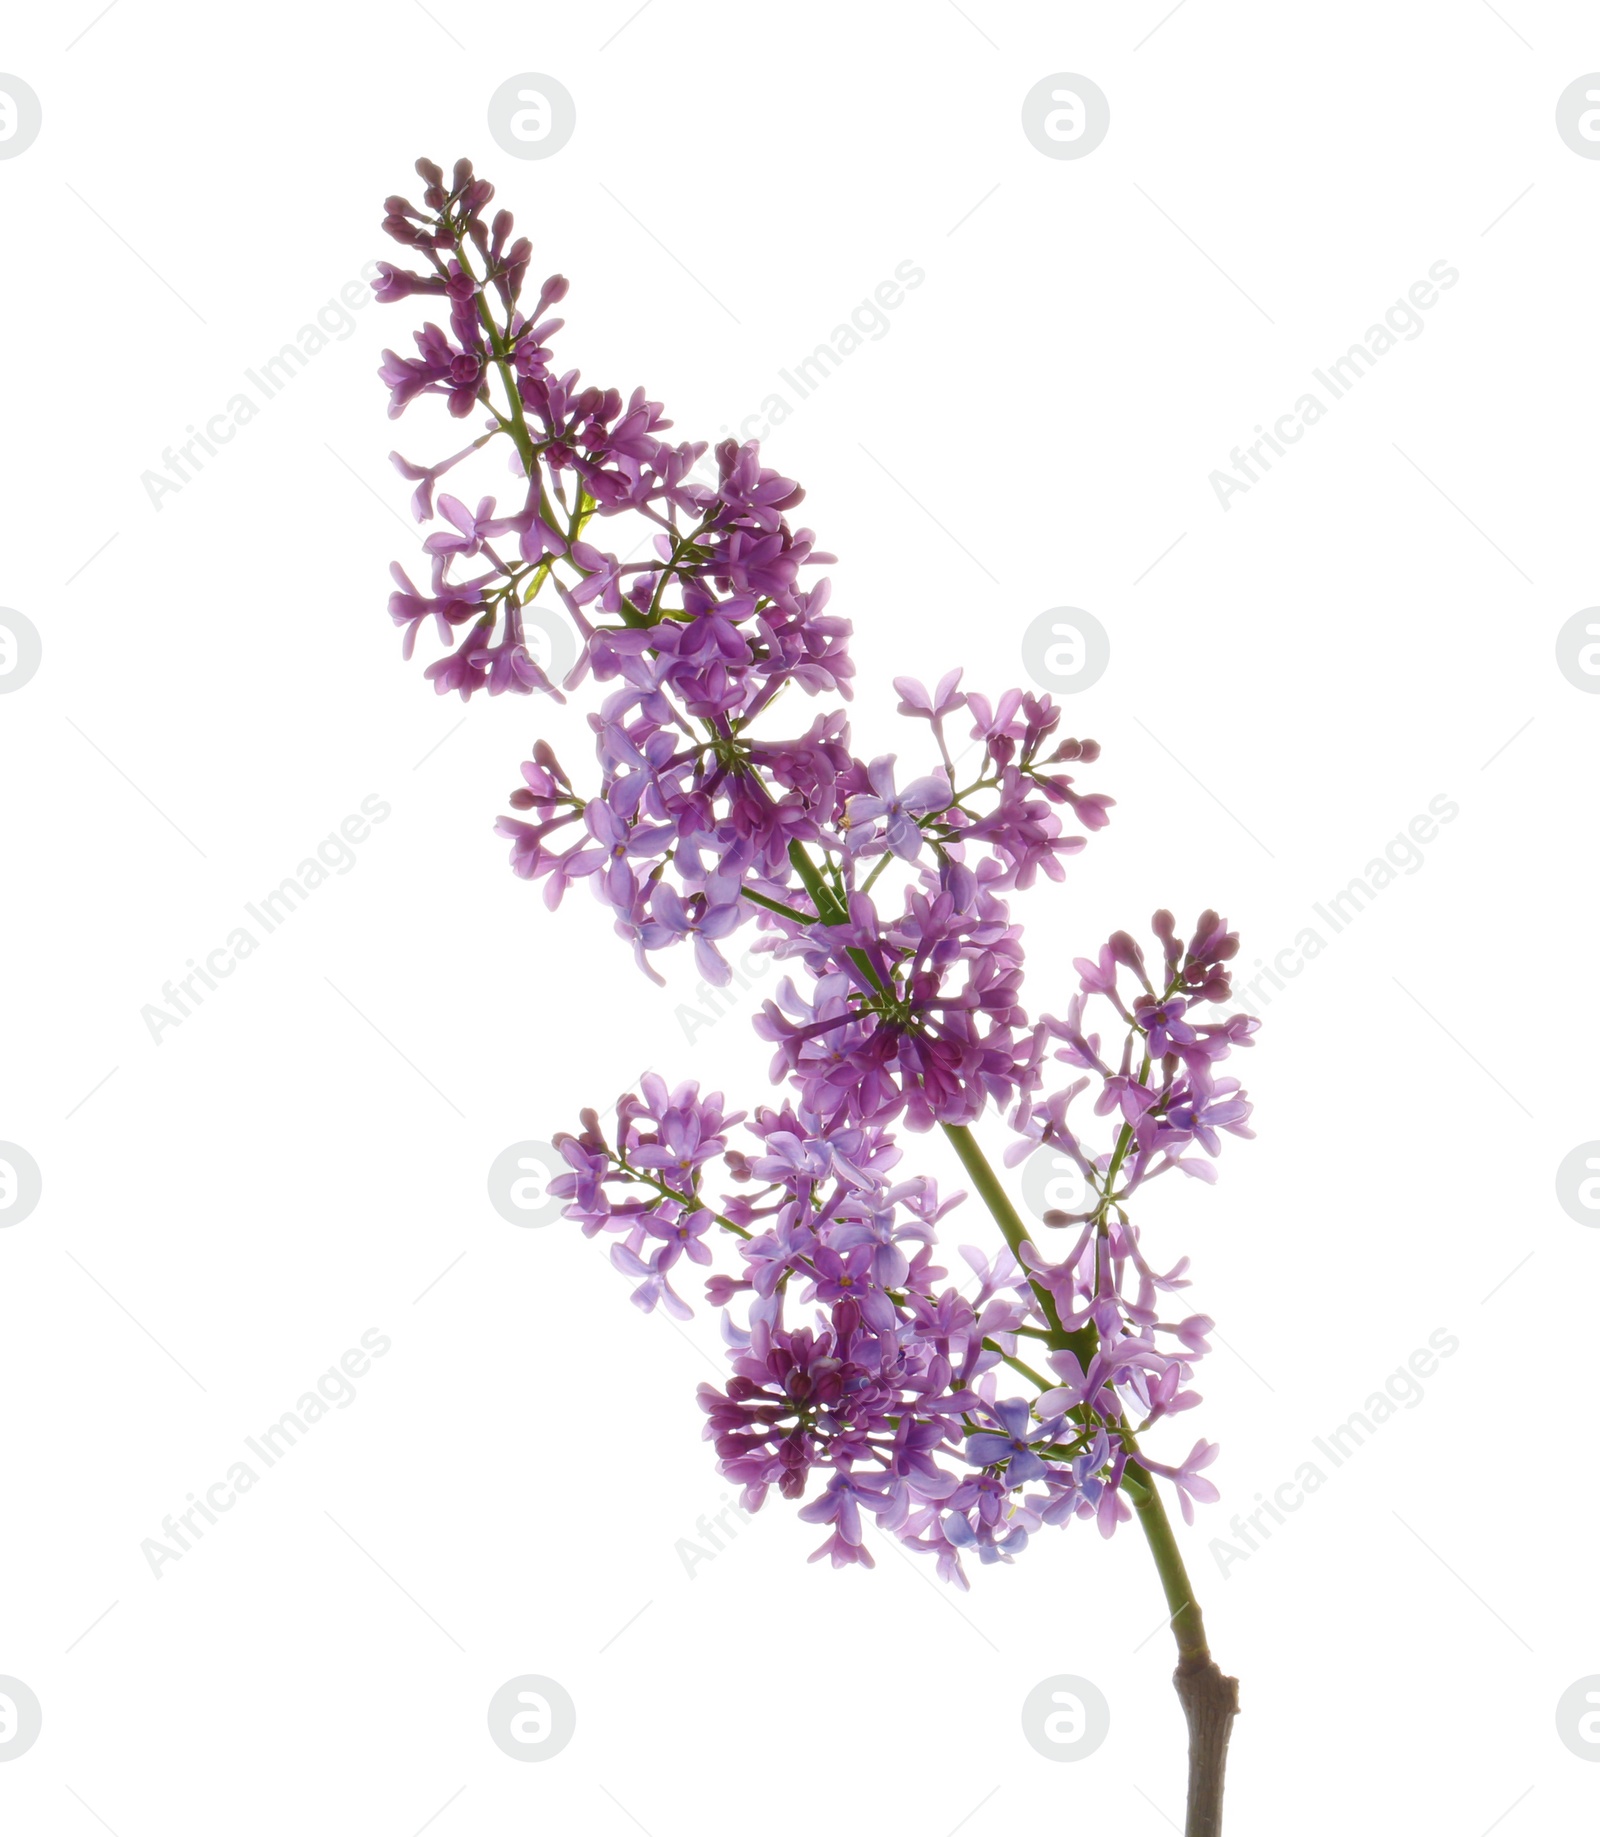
399, 283
1126, 950
1165, 928
544, 756
1086, 750
1205, 933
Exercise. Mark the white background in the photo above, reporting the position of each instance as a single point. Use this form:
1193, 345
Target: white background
1371, 626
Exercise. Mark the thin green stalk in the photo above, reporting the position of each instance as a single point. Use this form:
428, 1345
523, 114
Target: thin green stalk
1188, 1626
1012, 1229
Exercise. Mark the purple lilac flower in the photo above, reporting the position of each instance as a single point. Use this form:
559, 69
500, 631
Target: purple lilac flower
862, 1374
899, 812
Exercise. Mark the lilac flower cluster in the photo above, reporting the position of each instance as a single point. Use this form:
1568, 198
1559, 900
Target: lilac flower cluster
859, 1357
696, 803
895, 1367
864, 1375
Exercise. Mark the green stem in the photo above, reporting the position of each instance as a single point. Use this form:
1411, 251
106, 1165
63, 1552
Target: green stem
772, 905
688, 1201
1027, 1371
1188, 1626
1012, 1229
828, 907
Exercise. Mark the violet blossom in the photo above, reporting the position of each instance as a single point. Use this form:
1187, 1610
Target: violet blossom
864, 1377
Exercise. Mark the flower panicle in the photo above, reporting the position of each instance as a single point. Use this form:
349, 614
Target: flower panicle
858, 1362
